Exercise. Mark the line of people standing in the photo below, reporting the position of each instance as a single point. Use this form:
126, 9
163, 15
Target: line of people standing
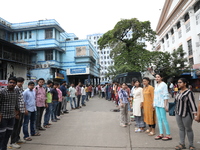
150, 105
20, 108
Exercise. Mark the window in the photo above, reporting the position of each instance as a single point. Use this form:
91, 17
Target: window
16, 36
30, 34
102, 62
104, 52
178, 25
107, 52
198, 19
25, 35
163, 41
48, 33
94, 37
187, 26
173, 39
190, 52
104, 57
172, 31
187, 17
191, 61
107, 57
167, 36
197, 6
49, 55
12, 36
179, 34
95, 43
21, 35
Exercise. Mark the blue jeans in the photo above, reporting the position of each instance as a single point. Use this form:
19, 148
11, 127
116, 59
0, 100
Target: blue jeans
83, 99
109, 95
73, 99
47, 114
54, 112
106, 93
32, 117
6, 128
87, 94
161, 116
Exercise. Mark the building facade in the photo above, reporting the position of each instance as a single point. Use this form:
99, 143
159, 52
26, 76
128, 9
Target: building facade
104, 55
179, 25
58, 55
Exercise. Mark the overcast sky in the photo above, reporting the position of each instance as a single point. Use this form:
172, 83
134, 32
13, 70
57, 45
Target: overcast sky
82, 17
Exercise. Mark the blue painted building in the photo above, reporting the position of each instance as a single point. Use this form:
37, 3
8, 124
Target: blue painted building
58, 55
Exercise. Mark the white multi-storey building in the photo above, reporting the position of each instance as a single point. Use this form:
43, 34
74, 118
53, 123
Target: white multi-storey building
104, 56
179, 25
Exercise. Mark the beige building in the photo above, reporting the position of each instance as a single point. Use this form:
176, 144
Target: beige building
179, 25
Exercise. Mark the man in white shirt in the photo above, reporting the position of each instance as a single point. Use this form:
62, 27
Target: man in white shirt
83, 93
72, 91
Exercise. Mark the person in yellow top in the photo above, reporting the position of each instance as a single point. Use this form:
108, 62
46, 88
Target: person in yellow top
87, 92
149, 111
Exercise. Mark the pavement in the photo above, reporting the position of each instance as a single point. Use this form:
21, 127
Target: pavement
96, 127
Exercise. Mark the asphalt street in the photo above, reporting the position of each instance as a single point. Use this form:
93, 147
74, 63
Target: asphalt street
96, 127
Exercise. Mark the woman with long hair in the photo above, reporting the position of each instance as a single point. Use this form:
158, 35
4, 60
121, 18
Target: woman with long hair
137, 107
149, 111
185, 112
161, 97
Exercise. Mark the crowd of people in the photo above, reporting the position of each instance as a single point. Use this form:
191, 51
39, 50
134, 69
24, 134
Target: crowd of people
20, 108
148, 105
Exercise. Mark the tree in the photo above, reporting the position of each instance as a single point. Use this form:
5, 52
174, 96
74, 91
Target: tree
129, 54
170, 65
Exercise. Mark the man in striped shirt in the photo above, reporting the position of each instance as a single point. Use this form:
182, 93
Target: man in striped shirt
8, 111
15, 137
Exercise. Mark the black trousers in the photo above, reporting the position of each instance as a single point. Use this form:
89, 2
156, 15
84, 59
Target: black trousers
17, 129
78, 100
39, 114
90, 93
58, 108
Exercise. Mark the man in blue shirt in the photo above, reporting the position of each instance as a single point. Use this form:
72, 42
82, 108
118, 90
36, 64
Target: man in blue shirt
64, 97
30, 111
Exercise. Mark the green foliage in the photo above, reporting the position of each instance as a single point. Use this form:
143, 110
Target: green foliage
129, 54
171, 65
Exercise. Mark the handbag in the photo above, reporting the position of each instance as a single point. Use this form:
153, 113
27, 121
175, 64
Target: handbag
172, 106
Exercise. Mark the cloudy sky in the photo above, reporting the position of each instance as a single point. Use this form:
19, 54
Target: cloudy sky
82, 17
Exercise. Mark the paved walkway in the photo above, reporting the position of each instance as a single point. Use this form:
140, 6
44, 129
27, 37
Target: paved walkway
95, 127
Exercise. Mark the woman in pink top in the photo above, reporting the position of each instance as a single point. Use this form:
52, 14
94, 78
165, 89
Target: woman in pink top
59, 102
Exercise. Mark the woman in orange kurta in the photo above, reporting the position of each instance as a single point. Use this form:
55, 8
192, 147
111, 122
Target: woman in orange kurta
149, 112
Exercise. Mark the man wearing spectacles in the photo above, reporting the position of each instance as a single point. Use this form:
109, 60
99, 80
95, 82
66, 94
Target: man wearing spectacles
8, 111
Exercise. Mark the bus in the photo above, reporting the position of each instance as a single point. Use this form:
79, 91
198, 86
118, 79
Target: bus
128, 77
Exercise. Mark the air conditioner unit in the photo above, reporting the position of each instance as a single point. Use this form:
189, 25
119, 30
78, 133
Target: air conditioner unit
38, 66
45, 65
197, 44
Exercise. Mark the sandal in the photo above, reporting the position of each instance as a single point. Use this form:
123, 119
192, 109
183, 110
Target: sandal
192, 148
36, 134
123, 125
151, 133
28, 139
158, 137
167, 138
180, 147
46, 126
147, 131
